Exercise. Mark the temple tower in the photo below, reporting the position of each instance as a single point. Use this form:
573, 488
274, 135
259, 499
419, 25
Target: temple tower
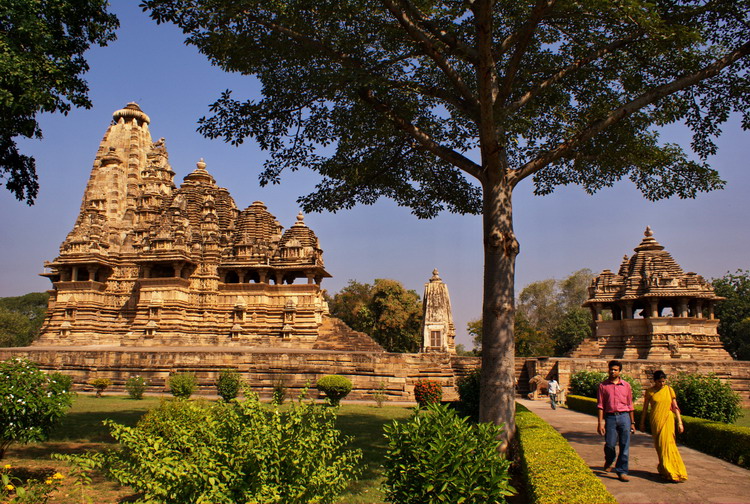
651, 309
438, 332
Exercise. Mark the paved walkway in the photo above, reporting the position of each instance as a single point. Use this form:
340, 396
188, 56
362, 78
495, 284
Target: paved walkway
710, 480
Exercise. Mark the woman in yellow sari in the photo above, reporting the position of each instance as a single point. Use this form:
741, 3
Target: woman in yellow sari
661, 399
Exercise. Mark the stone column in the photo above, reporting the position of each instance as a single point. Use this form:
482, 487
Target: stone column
683, 307
177, 269
628, 312
654, 305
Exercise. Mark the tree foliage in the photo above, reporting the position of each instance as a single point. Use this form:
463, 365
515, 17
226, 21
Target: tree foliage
706, 396
41, 66
447, 105
549, 318
21, 318
734, 312
385, 310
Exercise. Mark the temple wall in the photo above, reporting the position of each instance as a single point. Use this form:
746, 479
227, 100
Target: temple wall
366, 370
736, 373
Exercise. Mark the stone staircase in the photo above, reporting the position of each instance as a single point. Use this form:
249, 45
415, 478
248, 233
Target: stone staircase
586, 349
334, 334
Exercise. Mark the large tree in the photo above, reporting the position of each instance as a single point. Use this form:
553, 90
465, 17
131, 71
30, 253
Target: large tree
42, 43
446, 104
385, 310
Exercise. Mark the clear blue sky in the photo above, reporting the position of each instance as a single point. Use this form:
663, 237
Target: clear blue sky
174, 85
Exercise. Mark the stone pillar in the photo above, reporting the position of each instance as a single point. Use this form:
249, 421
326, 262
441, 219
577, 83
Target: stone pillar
74, 273
628, 311
597, 308
654, 305
310, 278
92, 272
177, 269
683, 307
263, 276
711, 310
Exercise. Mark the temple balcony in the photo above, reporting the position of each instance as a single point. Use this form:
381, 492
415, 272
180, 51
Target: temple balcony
80, 285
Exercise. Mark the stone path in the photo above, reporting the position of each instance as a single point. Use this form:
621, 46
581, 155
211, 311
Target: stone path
710, 480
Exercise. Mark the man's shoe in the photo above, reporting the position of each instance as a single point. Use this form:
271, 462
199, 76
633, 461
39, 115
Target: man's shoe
623, 477
608, 468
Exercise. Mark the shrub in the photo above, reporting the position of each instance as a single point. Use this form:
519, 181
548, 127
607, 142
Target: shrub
136, 386
586, 383
31, 402
279, 392
706, 396
229, 383
427, 392
379, 395
182, 385
242, 451
335, 387
100, 384
468, 392
551, 470
438, 456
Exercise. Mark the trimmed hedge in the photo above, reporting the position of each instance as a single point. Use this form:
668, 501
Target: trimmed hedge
725, 441
551, 470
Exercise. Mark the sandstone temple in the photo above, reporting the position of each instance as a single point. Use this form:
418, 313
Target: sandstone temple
652, 309
157, 278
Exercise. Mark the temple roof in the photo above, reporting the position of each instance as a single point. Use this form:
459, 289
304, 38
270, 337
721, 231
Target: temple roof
650, 272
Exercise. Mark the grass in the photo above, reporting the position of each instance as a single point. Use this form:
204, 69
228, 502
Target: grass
82, 430
744, 419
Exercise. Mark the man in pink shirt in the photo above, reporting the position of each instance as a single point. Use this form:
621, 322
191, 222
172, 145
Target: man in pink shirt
615, 410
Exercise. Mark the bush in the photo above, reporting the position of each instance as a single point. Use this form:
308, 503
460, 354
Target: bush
229, 383
706, 396
438, 456
379, 395
242, 451
100, 384
279, 392
551, 470
335, 387
31, 402
182, 385
427, 392
586, 383
468, 392
136, 386
729, 442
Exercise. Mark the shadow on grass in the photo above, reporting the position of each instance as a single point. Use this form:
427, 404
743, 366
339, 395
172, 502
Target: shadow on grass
88, 426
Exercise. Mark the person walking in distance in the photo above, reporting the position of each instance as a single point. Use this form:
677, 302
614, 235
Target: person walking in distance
615, 420
553, 389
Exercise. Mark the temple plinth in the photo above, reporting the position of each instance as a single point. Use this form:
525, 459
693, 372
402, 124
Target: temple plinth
651, 309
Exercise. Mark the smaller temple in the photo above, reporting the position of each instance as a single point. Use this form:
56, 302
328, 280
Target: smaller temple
651, 309
438, 331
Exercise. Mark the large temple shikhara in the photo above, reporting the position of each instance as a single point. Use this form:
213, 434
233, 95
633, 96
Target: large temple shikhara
152, 264
651, 309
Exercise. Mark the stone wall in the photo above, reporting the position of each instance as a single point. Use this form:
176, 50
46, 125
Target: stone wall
260, 368
736, 373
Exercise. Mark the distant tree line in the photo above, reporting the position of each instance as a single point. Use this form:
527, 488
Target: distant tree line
21, 318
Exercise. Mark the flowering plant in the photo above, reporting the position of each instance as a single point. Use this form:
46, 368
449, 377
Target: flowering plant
31, 402
427, 392
15, 491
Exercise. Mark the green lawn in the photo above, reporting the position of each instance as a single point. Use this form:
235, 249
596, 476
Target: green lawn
744, 419
82, 430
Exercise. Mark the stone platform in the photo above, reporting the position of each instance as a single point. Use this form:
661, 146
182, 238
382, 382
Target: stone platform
260, 367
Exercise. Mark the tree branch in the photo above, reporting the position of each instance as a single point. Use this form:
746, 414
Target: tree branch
449, 39
576, 65
625, 110
524, 39
430, 47
422, 138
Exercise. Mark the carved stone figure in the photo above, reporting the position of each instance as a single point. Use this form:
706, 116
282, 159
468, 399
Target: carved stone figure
537, 385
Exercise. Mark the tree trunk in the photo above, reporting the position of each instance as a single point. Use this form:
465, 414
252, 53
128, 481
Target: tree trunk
497, 399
